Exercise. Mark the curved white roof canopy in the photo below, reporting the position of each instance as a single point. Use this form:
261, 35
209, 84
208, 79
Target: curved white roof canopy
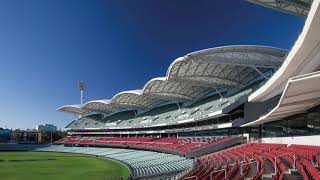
194, 76
127, 100
296, 7
74, 109
135, 99
225, 66
102, 106
161, 88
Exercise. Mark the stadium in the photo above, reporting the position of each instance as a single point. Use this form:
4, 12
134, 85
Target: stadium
229, 112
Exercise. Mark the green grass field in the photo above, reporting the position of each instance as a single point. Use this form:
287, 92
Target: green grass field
58, 166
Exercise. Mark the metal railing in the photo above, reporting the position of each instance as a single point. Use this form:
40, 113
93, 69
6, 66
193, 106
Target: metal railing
275, 161
252, 162
191, 177
225, 173
178, 176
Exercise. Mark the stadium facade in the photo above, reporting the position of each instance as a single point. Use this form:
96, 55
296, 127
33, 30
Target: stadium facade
217, 98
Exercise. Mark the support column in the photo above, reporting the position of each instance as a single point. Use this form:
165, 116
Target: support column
219, 93
178, 106
258, 71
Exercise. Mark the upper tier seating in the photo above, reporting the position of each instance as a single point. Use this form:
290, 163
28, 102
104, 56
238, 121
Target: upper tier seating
256, 160
157, 115
90, 121
180, 145
143, 163
166, 114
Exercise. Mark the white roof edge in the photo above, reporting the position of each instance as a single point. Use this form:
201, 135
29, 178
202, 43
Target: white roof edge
103, 101
290, 81
136, 91
172, 64
69, 105
240, 46
152, 80
276, 84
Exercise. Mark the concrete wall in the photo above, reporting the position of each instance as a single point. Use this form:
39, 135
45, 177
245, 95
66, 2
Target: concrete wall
306, 140
253, 110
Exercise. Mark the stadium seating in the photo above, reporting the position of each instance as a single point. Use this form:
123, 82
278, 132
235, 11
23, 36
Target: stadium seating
259, 159
90, 121
143, 163
167, 114
181, 145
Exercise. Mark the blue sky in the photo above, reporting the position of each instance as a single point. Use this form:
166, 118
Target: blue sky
46, 46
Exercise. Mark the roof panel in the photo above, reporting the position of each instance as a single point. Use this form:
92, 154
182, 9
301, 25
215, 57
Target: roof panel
172, 90
212, 67
295, 7
135, 99
104, 106
74, 109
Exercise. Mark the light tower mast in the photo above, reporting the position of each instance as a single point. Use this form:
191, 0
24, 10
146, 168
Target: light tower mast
82, 88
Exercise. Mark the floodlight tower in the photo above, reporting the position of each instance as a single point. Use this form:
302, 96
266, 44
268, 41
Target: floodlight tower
82, 88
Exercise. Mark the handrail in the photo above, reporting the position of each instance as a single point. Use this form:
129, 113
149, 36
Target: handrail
275, 161
181, 174
225, 173
191, 177
247, 164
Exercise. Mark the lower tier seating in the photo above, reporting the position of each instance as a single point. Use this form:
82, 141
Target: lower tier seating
255, 161
142, 163
181, 145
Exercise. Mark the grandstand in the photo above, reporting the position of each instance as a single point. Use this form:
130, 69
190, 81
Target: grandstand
256, 160
235, 72
231, 112
189, 147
